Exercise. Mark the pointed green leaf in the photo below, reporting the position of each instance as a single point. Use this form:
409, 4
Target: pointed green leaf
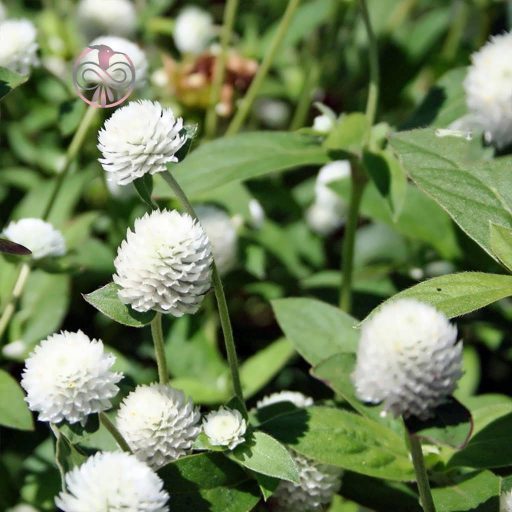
501, 244
14, 412
9, 80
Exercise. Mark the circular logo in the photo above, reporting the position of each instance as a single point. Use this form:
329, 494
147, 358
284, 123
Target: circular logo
102, 77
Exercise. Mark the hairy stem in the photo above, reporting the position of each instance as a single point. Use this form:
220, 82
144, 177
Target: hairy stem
158, 341
246, 103
220, 67
421, 474
225, 322
120, 440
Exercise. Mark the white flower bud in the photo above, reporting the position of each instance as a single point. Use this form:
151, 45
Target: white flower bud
408, 358
18, 45
488, 87
99, 17
164, 264
68, 376
15, 350
257, 213
318, 483
193, 30
298, 399
133, 51
159, 423
38, 236
323, 123
221, 232
225, 427
113, 481
139, 138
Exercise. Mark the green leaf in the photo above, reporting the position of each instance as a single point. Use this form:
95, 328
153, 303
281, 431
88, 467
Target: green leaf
349, 133
343, 439
475, 492
14, 412
316, 329
209, 482
458, 294
9, 80
202, 392
144, 187
488, 448
260, 368
66, 455
452, 425
451, 170
263, 454
501, 244
242, 157
106, 300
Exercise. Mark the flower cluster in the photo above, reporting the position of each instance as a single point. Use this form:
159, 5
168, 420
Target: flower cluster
18, 45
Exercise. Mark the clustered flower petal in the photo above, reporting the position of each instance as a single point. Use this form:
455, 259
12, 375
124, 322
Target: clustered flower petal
38, 236
114, 17
225, 427
68, 376
164, 264
408, 358
193, 30
159, 423
221, 232
318, 483
506, 502
488, 87
327, 213
113, 481
133, 51
298, 399
18, 45
139, 138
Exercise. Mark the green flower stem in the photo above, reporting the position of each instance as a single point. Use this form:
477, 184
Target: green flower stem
246, 103
220, 67
74, 146
421, 474
17, 290
120, 440
349, 238
158, 340
219, 295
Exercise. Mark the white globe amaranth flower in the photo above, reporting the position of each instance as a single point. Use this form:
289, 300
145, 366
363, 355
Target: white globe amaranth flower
68, 376
328, 211
113, 481
193, 30
488, 86
298, 399
101, 17
506, 502
408, 358
15, 350
159, 423
221, 232
164, 264
133, 51
323, 123
18, 45
318, 483
139, 138
225, 427
38, 236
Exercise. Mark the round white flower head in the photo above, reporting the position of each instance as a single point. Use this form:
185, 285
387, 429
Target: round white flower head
114, 17
488, 87
408, 358
273, 113
323, 123
113, 481
38, 236
68, 376
193, 30
159, 423
164, 264
221, 232
139, 138
318, 483
15, 350
18, 45
323, 220
225, 427
133, 51
506, 502
298, 399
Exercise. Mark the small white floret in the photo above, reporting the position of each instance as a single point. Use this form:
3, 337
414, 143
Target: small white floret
225, 427
193, 30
